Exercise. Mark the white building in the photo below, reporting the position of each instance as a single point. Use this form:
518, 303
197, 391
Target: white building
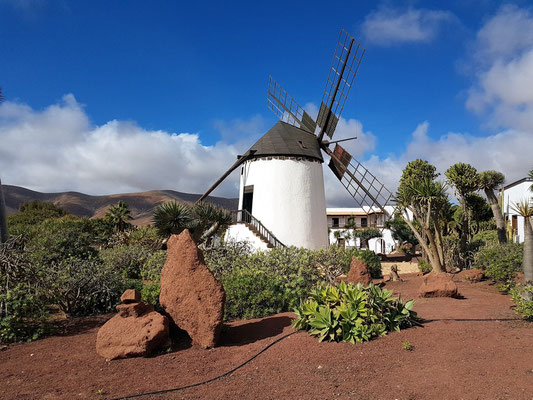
281, 195
341, 221
511, 194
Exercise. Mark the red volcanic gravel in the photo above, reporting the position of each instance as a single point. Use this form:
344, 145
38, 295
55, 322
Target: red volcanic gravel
471, 348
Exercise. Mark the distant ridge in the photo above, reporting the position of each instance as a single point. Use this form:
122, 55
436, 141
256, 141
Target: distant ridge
141, 204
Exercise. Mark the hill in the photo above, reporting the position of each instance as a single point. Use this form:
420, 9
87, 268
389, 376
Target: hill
141, 204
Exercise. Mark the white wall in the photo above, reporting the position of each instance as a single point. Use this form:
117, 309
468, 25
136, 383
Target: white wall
240, 233
289, 199
517, 194
373, 244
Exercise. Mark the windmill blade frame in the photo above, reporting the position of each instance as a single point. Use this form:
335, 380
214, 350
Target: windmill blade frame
346, 61
360, 183
287, 109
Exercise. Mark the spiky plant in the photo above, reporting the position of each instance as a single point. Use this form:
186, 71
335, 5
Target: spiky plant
172, 218
119, 215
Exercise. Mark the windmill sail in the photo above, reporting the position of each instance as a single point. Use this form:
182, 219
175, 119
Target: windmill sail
286, 109
346, 61
369, 193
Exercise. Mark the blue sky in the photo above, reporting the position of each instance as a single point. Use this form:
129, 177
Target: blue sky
131, 68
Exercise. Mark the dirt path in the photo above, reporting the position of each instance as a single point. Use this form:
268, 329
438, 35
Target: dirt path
459, 354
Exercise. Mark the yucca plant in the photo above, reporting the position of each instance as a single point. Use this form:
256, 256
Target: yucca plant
525, 209
353, 313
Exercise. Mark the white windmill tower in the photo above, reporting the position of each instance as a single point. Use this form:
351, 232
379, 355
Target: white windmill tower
281, 197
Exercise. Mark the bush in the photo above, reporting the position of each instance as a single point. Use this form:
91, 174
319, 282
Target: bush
500, 262
424, 266
128, 259
31, 214
83, 286
353, 313
487, 237
54, 240
253, 294
295, 270
522, 297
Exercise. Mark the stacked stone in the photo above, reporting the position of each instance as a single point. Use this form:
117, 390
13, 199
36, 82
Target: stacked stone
137, 330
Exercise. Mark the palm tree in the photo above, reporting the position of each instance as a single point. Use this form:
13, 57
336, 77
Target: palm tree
525, 209
531, 176
172, 218
210, 220
119, 215
203, 219
488, 181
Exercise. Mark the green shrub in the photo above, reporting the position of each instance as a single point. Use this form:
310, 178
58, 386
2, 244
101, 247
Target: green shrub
128, 259
151, 269
372, 260
500, 262
424, 266
54, 240
31, 214
83, 286
522, 296
253, 294
486, 237
353, 313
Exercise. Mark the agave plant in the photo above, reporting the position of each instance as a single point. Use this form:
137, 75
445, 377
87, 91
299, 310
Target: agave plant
353, 313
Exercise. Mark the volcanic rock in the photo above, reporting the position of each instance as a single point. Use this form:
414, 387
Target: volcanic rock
437, 285
130, 296
133, 309
471, 275
359, 273
122, 337
190, 294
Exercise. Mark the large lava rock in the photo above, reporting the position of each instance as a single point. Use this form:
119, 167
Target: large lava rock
471, 275
190, 294
137, 330
438, 285
359, 273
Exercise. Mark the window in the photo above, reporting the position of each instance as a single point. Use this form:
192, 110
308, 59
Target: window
335, 222
364, 222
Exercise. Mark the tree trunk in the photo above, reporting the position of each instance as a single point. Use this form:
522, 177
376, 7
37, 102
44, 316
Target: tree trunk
434, 254
4, 234
440, 249
528, 251
464, 235
497, 214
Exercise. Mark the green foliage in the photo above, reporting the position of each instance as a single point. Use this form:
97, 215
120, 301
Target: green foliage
128, 259
203, 220
253, 294
366, 234
522, 296
119, 215
401, 231
490, 180
353, 313
463, 177
82, 286
151, 269
54, 240
407, 346
486, 237
31, 214
294, 271
424, 266
500, 262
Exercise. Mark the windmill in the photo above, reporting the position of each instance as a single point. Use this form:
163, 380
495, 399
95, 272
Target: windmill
282, 197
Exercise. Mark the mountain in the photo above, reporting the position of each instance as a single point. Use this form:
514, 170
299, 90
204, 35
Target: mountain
141, 204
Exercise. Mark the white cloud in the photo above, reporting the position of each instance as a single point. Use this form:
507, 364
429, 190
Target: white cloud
503, 65
508, 151
58, 149
388, 26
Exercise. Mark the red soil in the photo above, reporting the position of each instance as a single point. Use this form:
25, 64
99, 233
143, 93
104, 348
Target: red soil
460, 353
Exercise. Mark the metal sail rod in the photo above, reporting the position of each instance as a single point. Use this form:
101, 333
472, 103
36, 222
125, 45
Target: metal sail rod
347, 171
229, 171
4, 233
324, 126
